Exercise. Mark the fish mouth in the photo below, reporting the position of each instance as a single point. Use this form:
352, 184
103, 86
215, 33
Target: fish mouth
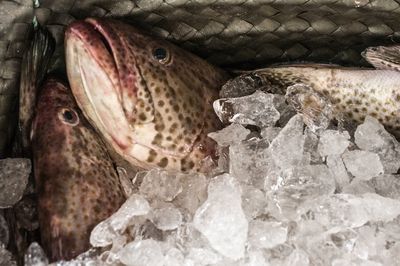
93, 71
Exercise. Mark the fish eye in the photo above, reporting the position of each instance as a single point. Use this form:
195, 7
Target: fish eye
161, 55
68, 116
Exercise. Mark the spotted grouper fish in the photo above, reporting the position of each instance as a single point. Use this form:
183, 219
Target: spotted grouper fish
76, 182
149, 99
353, 92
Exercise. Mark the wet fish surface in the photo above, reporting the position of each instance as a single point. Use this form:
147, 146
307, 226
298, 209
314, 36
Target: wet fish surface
150, 100
76, 181
353, 92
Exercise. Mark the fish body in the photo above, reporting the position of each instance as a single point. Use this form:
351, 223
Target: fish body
150, 100
76, 182
353, 92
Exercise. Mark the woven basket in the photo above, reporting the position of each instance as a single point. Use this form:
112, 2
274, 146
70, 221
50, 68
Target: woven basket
233, 33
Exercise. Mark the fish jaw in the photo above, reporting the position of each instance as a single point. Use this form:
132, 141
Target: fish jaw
165, 104
76, 182
94, 81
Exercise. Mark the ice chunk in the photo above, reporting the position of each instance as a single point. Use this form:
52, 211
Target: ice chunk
6, 257
297, 258
4, 233
287, 148
346, 210
173, 257
35, 256
14, 175
269, 133
250, 161
221, 218
234, 133
202, 256
358, 187
338, 170
89, 258
333, 142
104, 233
146, 252
194, 193
256, 258
311, 147
372, 136
362, 164
167, 218
316, 109
253, 202
289, 189
256, 109
162, 185
387, 186
263, 234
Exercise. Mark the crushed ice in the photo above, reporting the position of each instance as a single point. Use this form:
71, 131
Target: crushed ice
296, 190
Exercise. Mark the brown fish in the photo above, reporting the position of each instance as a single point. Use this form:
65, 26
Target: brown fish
76, 181
149, 99
353, 92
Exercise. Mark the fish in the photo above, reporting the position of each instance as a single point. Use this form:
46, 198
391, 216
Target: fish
76, 182
353, 92
34, 66
149, 99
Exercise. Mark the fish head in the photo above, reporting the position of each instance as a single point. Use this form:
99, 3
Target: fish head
76, 182
151, 100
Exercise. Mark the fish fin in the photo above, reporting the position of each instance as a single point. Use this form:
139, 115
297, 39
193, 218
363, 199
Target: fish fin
383, 57
34, 66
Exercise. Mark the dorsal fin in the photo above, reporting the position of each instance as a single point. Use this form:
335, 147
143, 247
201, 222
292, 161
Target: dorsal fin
383, 57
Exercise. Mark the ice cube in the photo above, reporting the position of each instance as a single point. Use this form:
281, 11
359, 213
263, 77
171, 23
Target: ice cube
372, 136
166, 218
346, 210
4, 232
256, 109
173, 257
14, 175
6, 257
202, 256
338, 170
104, 233
287, 190
311, 147
269, 133
146, 252
264, 234
221, 218
387, 186
35, 256
232, 134
254, 202
256, 258
333, 142
161, 185
194, 193
362, 164
250, 161
316, 109
358, 187
287, 148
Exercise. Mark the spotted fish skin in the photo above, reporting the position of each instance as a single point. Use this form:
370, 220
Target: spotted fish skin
355, 93
76, 182
149, 99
